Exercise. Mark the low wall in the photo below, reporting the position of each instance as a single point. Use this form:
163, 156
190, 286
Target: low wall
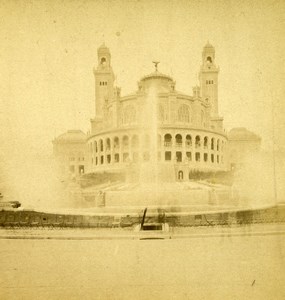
146, 198
153, 198
18, 218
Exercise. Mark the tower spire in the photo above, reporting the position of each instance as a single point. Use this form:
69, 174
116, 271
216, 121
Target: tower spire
104, 79
209, 78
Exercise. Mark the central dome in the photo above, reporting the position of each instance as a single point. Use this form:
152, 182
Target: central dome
156, 75
162, 82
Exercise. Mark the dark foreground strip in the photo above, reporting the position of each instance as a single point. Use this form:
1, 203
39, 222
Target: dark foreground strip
140, 237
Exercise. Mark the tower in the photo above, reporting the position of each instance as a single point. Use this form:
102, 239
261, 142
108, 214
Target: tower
104, 80
209, 78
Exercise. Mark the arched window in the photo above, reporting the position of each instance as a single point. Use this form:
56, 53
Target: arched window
205, 142
188, 141
108, 144
116, 157
189, 156
180, 175
129, 116
167, 156
184, 114
212, 143
178, 156
197, 141
167, 140
116, 143
197, 156
178, 140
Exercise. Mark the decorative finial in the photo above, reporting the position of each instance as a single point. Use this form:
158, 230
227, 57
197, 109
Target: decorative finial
155, 64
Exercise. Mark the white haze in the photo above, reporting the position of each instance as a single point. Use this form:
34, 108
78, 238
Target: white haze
33, 180
48, 50
261, 180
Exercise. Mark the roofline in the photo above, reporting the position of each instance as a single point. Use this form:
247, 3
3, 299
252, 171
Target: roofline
160, 127
156, 75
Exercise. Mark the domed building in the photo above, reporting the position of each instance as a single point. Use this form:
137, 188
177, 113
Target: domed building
69, 149
242, 144
157, 127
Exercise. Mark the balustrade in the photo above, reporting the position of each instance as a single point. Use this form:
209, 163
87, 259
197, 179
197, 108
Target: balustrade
168, 144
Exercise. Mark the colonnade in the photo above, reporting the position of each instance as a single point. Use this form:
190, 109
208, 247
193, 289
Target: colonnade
198, 148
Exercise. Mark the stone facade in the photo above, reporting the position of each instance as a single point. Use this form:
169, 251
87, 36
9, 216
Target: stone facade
242, 144
157, 123
69, 150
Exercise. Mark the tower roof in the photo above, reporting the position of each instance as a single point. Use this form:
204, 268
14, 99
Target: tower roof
162, 82
155, 75
103, 49
208, 46
71, 136
241, 133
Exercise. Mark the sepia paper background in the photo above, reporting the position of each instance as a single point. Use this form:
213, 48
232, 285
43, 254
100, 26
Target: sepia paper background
48, 50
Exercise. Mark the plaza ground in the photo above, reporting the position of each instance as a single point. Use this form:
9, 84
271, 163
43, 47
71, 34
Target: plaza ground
231, 263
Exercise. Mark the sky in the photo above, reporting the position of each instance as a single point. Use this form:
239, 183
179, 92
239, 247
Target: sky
48, 50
